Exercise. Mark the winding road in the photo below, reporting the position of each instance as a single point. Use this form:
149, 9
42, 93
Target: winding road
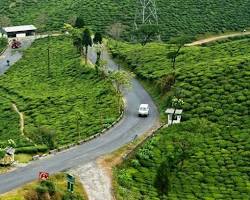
121, 134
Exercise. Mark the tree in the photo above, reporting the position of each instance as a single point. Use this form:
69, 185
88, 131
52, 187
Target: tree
77, 42
147, 33
79, 23
178, 43
115, 30
97, 38
4, 21
119, 79
98, 46
76, 36
86, 42
44, 135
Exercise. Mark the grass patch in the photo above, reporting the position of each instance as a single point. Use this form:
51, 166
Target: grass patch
72, 104
61, 186
23, 158
205, 156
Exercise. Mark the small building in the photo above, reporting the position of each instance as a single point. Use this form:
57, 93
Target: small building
8, 159
19, 31
174, 115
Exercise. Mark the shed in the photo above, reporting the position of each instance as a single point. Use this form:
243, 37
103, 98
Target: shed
19, 31
9, 156
174, 115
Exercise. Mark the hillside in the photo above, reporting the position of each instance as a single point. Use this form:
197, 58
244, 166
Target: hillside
67, 104
3, 43
207, 155
191, 17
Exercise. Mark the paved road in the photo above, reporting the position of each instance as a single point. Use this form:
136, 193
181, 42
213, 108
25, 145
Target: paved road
13, 55
120, 134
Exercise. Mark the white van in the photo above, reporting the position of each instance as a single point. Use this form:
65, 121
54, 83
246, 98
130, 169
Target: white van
143, 110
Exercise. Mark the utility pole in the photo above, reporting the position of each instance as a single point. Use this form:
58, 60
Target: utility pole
146, 13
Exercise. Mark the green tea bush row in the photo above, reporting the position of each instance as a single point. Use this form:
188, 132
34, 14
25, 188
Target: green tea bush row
32, 149
54, 102
198, 159
190, 17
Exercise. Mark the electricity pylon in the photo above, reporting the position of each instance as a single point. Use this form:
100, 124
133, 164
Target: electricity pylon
146, 13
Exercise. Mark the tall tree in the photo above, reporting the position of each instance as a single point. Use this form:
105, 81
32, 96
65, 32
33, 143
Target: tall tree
76, 36
79, 23
146, 33
97, 38
86, 42
98, 46
121, 79
178, 43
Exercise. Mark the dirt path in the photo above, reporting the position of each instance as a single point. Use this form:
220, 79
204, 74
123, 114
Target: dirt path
95, 180
21, 118
215, 38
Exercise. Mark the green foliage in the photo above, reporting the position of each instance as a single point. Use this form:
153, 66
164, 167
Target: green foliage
3, 43
32, 149
72, 196
79, 23
2, 153
86, 38
121, 79
42, 135
194, 158
146, 33
97, 38
204, 157
50, 186
190, 17
53, 102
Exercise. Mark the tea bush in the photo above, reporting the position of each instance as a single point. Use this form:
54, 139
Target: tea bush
72, 93
207, 155
3, 44
191, 17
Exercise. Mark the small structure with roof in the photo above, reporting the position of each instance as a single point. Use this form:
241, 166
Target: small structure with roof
19, 31
174, 115
8, 159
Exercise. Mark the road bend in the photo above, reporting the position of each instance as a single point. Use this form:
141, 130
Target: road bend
122, 133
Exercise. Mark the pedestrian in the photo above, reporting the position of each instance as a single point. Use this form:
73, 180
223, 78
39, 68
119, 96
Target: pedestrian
8, 63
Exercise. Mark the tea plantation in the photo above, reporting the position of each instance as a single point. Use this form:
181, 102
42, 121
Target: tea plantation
72, 103
182, 16
3, 43
207, 155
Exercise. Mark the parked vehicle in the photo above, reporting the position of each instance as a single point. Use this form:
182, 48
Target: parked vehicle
143, 110
15, 44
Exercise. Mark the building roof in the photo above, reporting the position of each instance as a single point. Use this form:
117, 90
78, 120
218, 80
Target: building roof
19, 28
10, 150
172, 111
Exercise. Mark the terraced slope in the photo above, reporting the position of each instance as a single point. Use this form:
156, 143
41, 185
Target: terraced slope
73, 103
207, 156
182, 16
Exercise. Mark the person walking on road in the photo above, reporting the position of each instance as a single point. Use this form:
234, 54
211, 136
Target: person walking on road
8, 63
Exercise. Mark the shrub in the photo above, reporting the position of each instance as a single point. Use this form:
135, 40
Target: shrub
72, 196
32, 149
2, 153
